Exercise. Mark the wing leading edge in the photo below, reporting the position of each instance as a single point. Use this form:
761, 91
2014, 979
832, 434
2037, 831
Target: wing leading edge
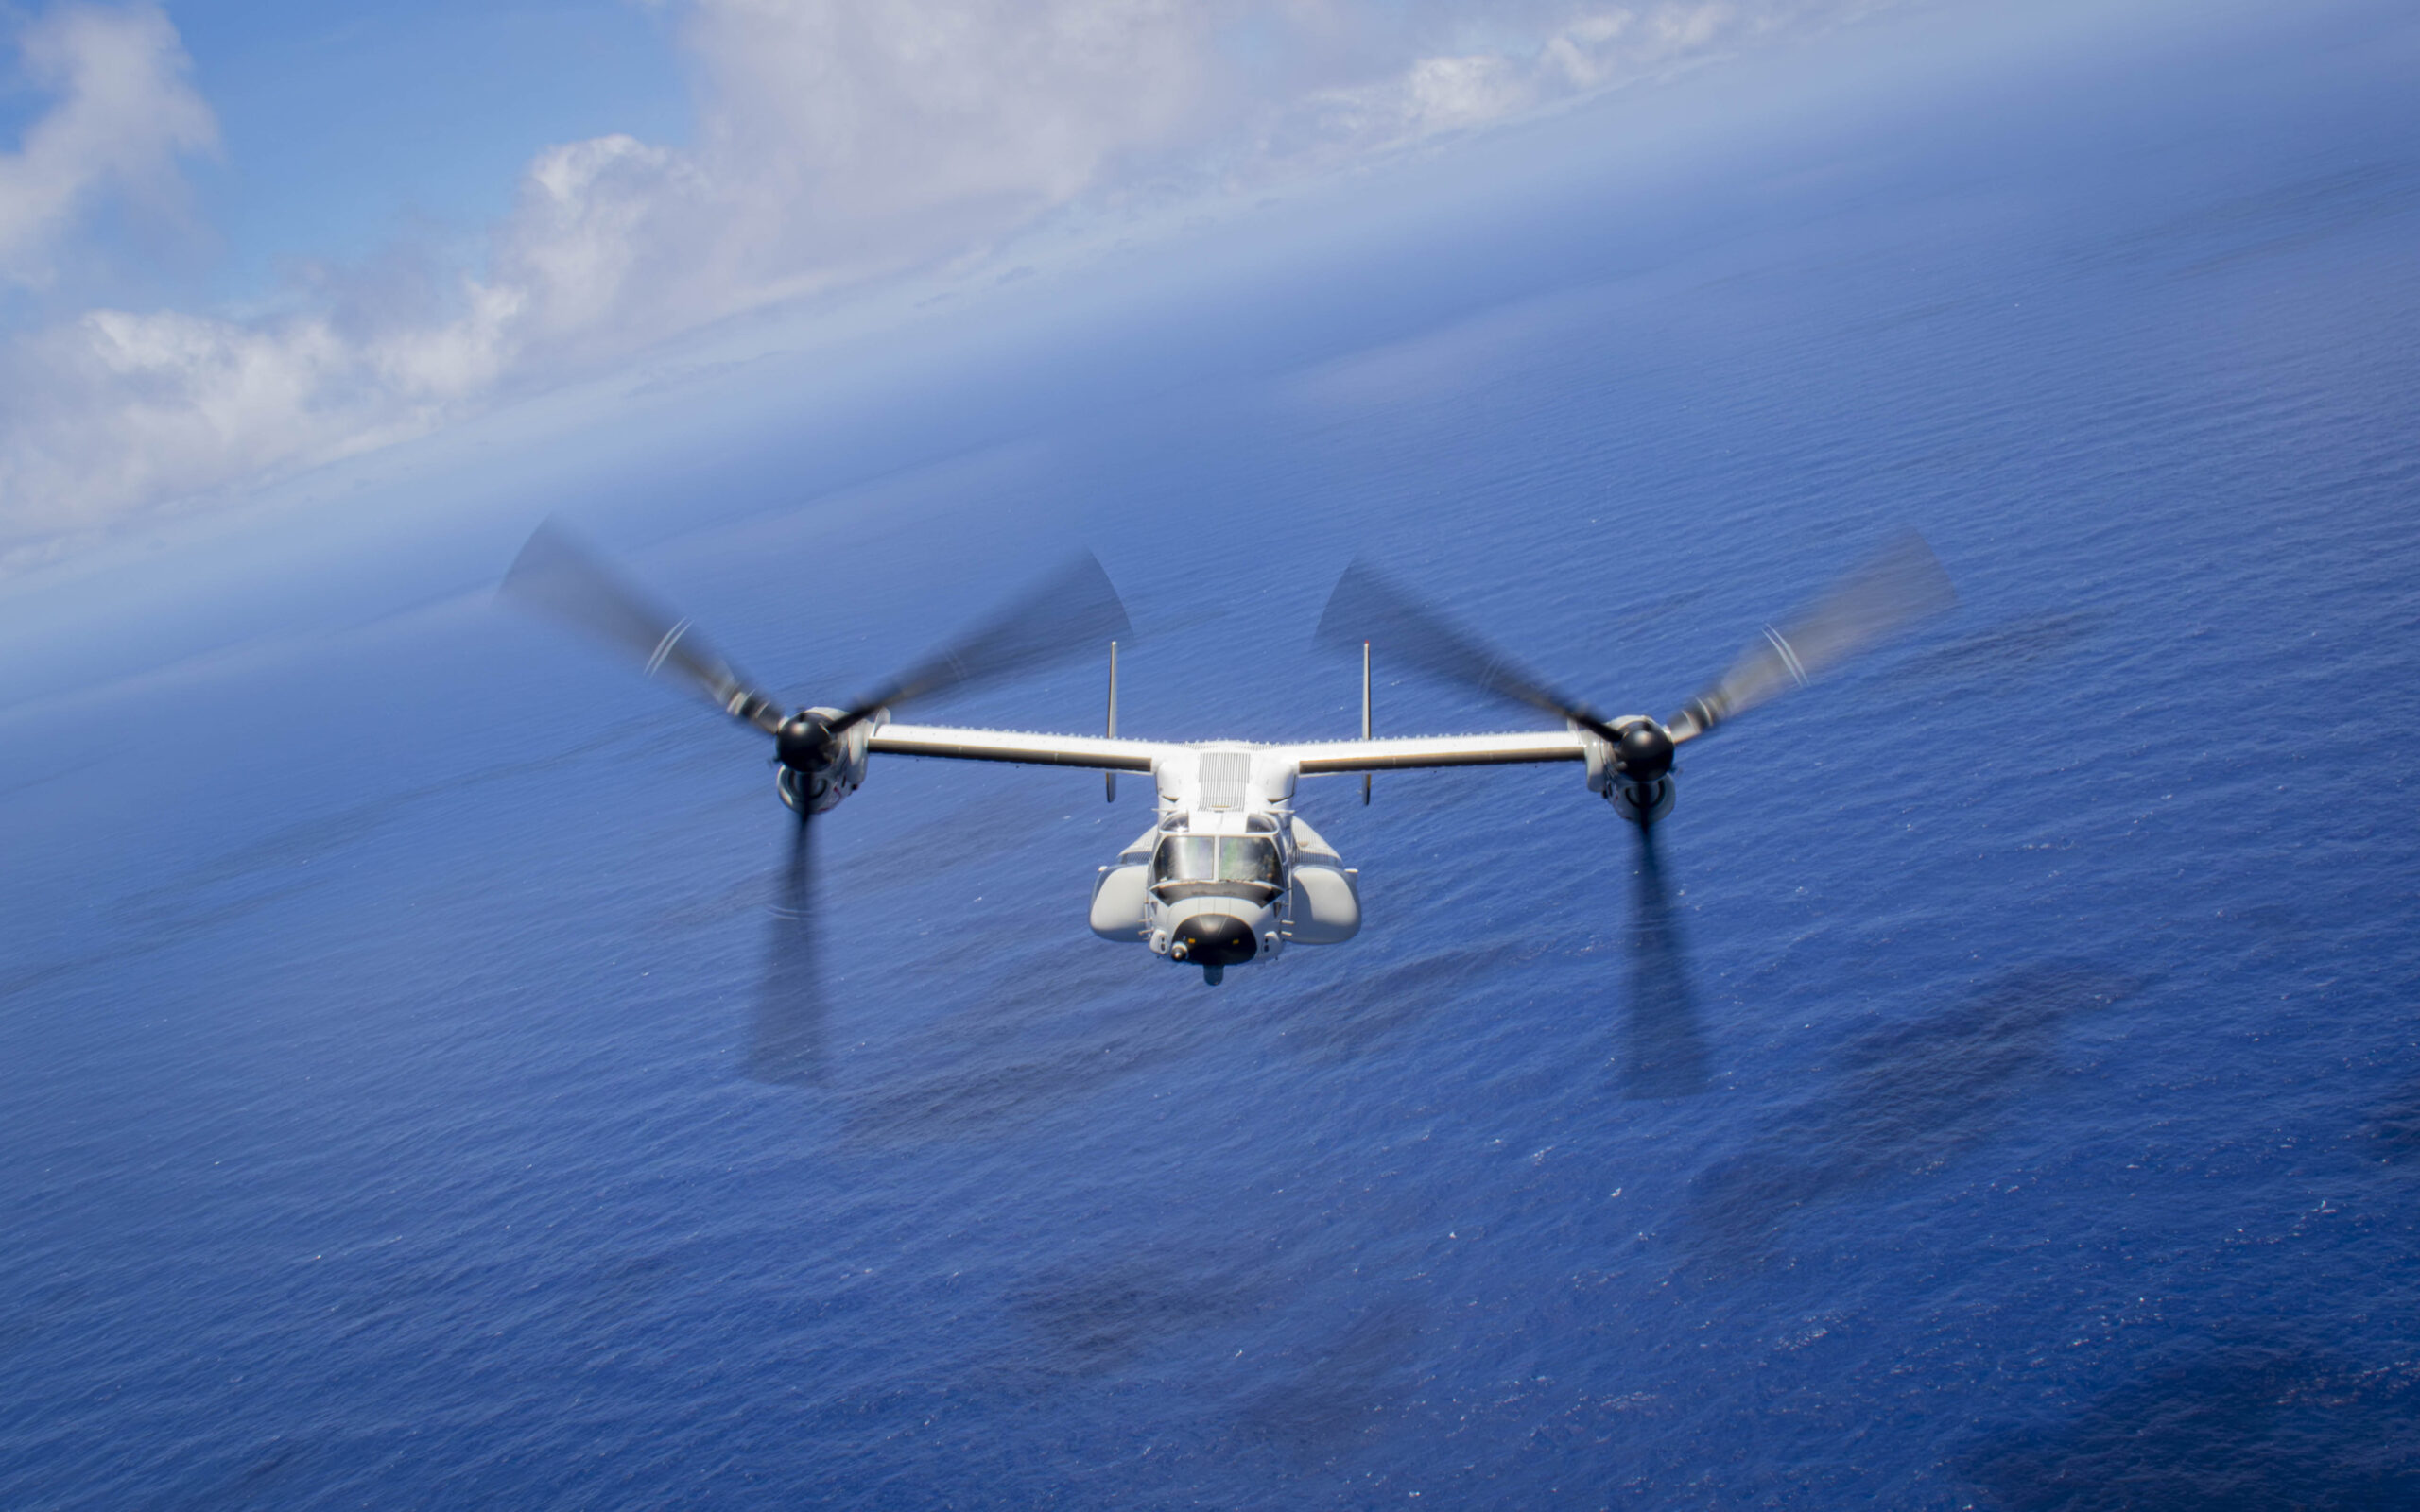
1098, 752
1437, 751
1101, 753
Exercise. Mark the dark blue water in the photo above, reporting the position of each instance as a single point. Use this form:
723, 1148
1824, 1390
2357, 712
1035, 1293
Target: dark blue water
372, 1124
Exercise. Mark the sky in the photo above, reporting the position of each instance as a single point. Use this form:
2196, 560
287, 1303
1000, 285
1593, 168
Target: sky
239, 241
263, 256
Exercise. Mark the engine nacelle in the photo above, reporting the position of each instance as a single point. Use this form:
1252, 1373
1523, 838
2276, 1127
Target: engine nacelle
1642, 802
818, 767
1635, 773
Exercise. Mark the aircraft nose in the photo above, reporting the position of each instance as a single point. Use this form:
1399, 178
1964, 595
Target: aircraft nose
1213, 939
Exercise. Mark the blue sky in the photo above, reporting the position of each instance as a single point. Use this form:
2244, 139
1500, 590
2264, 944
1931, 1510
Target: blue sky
343, 130
262, 392
240, 241
348, 126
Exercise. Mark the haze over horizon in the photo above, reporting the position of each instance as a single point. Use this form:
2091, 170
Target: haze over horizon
310, 306
276, 237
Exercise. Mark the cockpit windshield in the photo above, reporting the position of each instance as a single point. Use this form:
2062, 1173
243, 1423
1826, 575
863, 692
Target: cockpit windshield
1218, 858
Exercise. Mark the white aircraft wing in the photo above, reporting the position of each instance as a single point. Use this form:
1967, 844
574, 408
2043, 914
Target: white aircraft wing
1111, 754
1437, 751
1101, 753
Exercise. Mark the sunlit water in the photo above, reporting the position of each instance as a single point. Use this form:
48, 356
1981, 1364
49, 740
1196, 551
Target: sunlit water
372, 1124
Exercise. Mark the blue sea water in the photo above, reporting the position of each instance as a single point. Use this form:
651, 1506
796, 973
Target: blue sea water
372, 1129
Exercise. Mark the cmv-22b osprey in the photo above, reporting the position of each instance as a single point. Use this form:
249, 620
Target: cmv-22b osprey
1228, 873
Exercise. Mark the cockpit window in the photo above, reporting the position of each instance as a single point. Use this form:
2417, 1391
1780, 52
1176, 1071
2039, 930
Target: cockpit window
1185, 858
1249, 858
1218, 858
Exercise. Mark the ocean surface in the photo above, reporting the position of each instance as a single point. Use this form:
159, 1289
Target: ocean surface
374, 1130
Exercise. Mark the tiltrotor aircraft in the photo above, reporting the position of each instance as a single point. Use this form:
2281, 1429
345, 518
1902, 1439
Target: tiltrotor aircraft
1228, 873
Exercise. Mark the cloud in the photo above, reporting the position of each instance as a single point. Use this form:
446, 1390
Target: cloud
837, 140
1540, 56
840, 139
931, 116
125, 114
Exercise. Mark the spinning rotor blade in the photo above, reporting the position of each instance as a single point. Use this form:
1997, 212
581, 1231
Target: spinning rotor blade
1903, 584
1368, 605
1665, 1042
557, 576
788, 1046
1072, 611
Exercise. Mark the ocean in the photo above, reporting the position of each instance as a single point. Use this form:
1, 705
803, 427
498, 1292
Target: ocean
374, 995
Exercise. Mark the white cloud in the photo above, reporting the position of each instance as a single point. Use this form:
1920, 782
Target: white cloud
837, 140
941, 113
116, 411
125, 114
1563, 54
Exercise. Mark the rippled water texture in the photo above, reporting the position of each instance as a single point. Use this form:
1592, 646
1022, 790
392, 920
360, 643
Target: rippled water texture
371, 1015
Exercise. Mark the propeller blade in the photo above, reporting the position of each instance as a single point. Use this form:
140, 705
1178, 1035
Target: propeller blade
558, 577
1663, 1036
1071, 611
1368, 605
1905, 583
788, 1044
